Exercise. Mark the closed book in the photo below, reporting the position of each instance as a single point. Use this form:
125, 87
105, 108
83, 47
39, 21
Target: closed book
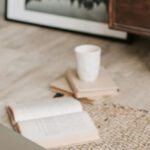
62, 86
102, 86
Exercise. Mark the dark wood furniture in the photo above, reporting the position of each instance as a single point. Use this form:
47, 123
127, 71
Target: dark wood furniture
132, 16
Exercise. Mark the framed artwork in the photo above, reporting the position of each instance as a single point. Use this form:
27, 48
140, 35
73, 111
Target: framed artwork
86, 16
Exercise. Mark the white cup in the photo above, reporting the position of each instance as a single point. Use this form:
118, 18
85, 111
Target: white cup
88, 59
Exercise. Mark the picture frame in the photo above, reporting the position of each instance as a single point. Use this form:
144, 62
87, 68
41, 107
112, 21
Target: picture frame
16, 11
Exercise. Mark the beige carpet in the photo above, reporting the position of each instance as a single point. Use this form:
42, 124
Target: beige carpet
120, 128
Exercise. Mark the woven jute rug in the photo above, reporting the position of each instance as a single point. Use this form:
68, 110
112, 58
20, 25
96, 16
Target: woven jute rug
120, 128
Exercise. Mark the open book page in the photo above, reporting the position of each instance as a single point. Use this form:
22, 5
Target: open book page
60, 130
34, 110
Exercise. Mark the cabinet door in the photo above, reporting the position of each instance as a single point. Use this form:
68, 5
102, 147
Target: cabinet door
132, 16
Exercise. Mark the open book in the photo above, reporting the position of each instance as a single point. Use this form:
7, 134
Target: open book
53, 123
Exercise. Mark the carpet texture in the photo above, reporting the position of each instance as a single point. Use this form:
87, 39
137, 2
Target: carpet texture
120, 128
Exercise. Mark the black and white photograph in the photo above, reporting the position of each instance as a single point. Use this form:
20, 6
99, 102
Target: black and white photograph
84, 16
94, 10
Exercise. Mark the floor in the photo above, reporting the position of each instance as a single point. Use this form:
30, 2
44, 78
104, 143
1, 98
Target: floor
31, 57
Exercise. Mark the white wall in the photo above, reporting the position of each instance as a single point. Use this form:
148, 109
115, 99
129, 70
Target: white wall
2, 6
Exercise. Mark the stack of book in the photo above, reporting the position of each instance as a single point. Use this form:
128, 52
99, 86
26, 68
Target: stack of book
88, 92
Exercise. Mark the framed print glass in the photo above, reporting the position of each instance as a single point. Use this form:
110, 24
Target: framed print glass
86, 16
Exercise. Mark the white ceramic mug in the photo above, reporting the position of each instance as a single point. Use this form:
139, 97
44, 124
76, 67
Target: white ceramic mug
88, 59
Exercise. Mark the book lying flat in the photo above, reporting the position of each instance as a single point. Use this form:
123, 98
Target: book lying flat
62, 86
102, 86
54, 123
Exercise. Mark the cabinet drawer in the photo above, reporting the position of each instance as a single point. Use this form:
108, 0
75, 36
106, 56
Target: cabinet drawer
130, 15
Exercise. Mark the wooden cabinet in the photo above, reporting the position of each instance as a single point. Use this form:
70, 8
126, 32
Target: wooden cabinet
132, 16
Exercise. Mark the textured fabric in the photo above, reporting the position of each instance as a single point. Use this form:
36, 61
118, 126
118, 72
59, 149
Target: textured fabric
120, 128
